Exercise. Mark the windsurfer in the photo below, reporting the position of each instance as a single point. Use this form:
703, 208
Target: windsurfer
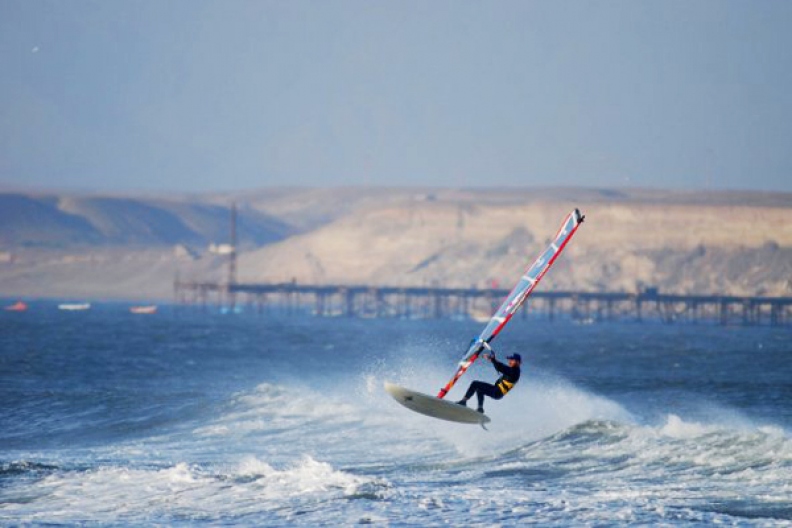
510, 374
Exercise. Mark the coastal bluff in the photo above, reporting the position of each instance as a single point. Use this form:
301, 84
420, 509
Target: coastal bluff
132, 247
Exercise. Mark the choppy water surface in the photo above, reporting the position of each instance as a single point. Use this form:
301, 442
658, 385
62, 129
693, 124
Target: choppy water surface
190, 418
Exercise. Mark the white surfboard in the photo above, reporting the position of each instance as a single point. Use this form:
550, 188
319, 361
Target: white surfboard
435, 407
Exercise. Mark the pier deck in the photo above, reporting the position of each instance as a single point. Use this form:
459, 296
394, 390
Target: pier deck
439, 302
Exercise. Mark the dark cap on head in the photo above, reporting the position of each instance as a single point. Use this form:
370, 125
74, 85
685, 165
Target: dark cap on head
516, 357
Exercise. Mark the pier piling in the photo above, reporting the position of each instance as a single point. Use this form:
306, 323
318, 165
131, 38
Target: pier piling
438, 302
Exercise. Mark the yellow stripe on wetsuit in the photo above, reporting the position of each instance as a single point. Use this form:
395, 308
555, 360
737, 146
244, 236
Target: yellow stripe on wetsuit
505, 386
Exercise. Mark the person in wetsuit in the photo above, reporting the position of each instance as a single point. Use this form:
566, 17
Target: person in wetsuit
510, 374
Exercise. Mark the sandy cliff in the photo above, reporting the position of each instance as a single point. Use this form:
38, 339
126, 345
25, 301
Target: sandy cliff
739, 249
731, 243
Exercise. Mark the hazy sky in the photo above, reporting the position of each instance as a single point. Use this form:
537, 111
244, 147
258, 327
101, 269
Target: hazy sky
220, 95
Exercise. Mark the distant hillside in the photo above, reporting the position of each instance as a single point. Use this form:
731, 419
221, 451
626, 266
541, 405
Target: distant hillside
312, 208
65, 221
31, 221
737, 243
726, 242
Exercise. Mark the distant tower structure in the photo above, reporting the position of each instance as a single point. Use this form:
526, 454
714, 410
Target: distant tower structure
232, 257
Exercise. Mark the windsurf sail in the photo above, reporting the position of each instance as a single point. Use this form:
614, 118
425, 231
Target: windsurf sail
517, 297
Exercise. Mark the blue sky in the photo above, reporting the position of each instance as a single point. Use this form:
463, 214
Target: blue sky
208, 95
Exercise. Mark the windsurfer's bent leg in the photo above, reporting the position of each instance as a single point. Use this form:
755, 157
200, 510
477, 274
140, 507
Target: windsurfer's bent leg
481, 389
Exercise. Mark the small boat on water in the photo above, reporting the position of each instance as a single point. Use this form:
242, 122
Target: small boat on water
18, 306
74, 307
144, 309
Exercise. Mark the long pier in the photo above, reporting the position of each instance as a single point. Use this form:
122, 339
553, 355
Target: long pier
438, 302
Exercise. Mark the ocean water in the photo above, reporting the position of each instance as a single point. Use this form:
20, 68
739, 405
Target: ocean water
189, 418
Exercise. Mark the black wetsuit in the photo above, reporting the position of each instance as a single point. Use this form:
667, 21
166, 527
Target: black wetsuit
509, 376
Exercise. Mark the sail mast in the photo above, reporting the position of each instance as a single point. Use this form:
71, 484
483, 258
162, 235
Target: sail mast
517, 296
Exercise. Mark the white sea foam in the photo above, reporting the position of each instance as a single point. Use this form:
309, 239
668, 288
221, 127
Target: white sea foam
675, 427
111, 494
305, 477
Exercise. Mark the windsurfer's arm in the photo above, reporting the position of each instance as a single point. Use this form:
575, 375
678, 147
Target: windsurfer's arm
500, 367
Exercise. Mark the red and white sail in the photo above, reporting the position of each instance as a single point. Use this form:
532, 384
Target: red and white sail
517, 296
